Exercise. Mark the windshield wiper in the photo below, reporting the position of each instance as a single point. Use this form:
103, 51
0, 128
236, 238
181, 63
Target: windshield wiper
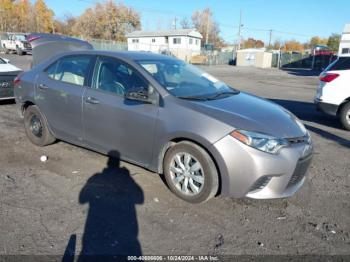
200, 98
225, 93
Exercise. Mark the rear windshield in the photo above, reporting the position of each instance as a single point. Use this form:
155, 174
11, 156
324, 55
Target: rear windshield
342, 63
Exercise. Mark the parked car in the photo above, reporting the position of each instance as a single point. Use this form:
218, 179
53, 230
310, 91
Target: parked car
17, 43
333, 92
8, 73
168, 116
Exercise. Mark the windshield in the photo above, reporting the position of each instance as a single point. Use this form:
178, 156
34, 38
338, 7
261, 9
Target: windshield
21, 37
186, 81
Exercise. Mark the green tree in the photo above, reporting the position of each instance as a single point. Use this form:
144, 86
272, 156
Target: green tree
333, 42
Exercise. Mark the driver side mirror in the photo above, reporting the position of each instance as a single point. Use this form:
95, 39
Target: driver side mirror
150, 97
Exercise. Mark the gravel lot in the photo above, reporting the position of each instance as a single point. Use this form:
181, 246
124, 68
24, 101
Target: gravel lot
44, 206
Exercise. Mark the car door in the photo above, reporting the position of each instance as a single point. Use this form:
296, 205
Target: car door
59, 91
113, 123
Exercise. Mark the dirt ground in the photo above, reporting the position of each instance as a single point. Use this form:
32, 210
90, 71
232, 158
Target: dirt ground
52, 207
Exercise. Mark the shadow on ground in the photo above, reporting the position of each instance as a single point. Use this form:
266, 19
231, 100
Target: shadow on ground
307, 111
111, 227
302, 72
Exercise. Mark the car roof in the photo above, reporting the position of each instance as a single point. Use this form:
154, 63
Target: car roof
126, 55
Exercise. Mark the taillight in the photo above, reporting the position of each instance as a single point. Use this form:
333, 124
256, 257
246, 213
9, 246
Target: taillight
328, 77
16, 81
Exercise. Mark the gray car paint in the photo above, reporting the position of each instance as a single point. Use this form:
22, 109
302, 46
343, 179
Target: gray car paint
142, 132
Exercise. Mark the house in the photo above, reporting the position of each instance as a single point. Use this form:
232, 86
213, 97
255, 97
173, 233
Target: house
344, 46
182, 43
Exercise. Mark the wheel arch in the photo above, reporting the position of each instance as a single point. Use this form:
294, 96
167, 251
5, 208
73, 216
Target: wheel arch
25, 105
347, 100
177, 140
29, 103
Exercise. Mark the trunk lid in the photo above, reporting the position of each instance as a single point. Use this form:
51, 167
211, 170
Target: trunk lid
45, 46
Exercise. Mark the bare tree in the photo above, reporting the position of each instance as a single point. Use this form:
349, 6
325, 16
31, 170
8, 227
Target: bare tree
185, 23
204, 22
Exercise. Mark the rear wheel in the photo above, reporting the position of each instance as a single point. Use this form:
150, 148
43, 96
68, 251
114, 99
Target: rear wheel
36, 127
6, 50
190, 172
345, 116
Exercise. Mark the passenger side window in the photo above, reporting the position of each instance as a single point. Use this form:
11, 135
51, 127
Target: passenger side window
51, 70
116, 77
71, 69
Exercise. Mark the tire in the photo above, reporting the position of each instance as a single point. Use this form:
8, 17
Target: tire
38, 135
19, 51
207, 173
6, 50
345, 116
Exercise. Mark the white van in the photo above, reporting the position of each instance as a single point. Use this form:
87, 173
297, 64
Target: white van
333, 92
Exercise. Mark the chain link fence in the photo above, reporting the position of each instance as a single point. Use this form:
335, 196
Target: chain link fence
202, 57
301, 61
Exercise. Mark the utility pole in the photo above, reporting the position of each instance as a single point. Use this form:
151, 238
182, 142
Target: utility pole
270, 37
239, 30
175, 22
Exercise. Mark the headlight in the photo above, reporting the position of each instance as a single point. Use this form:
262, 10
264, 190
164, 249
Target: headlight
260, 141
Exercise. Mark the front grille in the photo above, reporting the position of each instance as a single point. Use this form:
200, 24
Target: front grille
297, 140
27, 46
299, 172
260, 183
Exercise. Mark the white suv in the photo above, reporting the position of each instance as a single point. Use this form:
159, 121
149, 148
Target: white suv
333, 92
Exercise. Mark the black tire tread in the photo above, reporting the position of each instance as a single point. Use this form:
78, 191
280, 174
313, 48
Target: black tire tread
47, 137
345, 108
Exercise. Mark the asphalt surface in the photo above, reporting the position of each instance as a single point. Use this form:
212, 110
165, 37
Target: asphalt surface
74, 197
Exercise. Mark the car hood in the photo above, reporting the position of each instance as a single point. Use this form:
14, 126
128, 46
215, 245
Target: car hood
248, 112
6, 68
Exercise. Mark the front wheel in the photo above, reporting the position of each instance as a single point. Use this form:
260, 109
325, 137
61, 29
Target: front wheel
36, 127
190, 172
19, 51
345, 116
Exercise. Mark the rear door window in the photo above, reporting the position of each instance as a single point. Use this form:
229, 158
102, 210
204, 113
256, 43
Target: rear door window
342, 63
71, 69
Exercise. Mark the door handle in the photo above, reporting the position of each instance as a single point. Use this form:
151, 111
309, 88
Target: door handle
92, 100
43, 86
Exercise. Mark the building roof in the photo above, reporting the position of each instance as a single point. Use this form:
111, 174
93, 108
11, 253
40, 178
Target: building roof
252, 50
175, 32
